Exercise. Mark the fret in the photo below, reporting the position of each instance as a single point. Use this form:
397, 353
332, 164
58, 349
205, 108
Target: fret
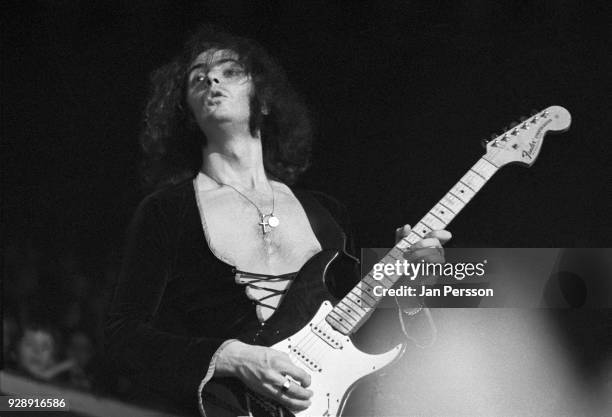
397, 253
369, 279
484, 168
338, 323
443, 213
462, 192
431, 213
474, 181
348, 311
493, 153
367, 288
387, 280
357, 303
364, 296
452, 203
403, 244
343, 317
433, 222
355, 307
421, 229
473, 169
466, 186
412, 238
389, 255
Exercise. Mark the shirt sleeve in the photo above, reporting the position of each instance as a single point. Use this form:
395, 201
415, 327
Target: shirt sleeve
169, 364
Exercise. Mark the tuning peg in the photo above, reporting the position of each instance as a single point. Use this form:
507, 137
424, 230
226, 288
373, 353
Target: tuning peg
534, 111
513, 124
484, 143
523, 118
493, 136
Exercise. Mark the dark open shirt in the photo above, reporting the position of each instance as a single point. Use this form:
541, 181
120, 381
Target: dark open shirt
175, 302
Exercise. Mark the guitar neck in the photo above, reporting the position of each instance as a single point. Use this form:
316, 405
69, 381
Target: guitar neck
356, 307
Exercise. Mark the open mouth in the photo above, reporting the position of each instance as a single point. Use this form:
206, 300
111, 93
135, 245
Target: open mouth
211, 101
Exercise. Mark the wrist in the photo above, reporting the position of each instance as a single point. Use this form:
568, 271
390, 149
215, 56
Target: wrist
228, 358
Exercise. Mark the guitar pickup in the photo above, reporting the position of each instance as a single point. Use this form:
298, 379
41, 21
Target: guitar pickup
303, 357
327, 337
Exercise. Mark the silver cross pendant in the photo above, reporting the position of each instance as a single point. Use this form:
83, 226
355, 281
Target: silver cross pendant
264, 224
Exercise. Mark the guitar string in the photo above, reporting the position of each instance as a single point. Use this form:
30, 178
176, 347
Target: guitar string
319, 354
311, 338
308, 343
308, 340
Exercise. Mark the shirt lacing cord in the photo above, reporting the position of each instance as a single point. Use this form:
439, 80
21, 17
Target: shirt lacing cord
252, 280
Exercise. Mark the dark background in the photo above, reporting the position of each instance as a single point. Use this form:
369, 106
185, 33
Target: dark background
402, 93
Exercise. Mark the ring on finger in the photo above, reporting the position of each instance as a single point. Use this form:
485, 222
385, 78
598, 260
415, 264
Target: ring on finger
286, 385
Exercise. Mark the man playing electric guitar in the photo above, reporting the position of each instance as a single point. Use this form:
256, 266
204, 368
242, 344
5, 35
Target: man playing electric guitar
211, 254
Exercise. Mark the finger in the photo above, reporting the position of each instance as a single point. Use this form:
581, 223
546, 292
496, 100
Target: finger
429, 255
442, 235
275, 392
295, 391
428, 242
297, 373
402, 232
293, 404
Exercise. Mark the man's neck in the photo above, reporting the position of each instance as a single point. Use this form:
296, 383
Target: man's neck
235, 158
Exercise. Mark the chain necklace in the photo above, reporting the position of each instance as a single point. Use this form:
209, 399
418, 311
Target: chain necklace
267, 221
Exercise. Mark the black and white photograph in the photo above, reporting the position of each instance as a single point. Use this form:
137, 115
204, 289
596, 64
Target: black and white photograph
306, 208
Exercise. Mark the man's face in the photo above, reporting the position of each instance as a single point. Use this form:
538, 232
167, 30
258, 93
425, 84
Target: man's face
218, 89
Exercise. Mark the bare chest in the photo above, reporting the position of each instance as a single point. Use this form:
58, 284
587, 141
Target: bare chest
238, 235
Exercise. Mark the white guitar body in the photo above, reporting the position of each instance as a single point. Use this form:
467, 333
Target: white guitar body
333, 362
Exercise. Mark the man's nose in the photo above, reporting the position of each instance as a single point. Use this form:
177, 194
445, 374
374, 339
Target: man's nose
211, 79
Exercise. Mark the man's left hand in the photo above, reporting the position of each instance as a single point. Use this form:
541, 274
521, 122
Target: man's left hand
428, 249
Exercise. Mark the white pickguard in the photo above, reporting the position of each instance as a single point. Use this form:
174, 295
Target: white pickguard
332, 361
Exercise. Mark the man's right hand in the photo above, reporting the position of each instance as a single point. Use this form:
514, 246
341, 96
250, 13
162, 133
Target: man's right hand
265, 370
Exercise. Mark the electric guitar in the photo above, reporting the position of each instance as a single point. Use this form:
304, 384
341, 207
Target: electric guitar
322, 344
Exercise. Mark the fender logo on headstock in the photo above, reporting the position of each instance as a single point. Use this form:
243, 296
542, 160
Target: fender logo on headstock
534, 142
532, 146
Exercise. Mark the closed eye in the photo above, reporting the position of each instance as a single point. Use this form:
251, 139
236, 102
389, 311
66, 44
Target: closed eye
233, 72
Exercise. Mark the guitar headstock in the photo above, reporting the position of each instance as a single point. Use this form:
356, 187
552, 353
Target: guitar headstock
523, 142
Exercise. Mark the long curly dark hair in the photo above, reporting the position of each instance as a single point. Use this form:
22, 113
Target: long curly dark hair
171, 139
